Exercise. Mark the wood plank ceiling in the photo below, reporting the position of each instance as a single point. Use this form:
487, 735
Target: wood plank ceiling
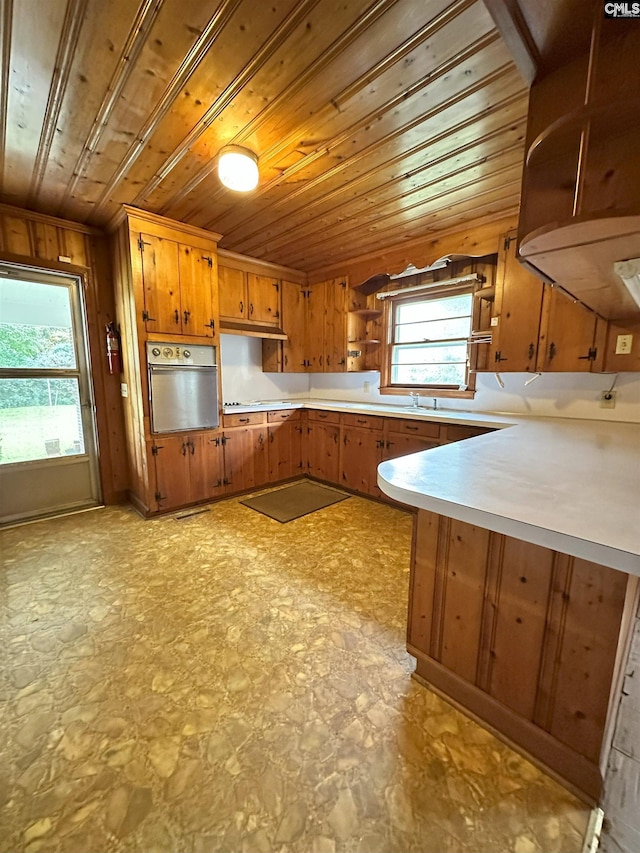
375, 121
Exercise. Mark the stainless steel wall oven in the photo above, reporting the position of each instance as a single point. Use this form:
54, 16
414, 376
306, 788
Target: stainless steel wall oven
183, 387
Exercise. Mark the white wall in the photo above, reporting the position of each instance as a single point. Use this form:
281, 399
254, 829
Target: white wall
242, 376
567, 395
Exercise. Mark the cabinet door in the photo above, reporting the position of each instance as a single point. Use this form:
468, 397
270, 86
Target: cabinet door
518, 305
232, 293
173, 483
294, 323
323, 451
401, 444
361, 455
196, 305
264, 299
315, 328
205, 466
335, 326
567, 338
245, 458
285, 450
161, 283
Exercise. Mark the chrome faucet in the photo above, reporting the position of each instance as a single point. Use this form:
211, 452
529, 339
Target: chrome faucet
415, 400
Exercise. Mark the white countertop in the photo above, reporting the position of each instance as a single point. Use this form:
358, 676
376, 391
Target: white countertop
569, 485
566, 484
481, 419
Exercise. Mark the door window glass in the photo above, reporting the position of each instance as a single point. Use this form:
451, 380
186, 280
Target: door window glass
35, 326
40, 405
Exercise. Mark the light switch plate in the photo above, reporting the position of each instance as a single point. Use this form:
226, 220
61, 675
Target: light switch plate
624, 344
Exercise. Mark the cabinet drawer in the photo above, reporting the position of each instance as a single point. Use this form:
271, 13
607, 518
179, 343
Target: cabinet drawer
370, 421
428, 429
455, 432
286, 415
325, 417
244, 419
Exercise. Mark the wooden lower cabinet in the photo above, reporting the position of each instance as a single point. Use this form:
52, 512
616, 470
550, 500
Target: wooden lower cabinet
187, 468
323, 446
404, 437
259, 448
523, 637
285, 445
246, 464
361, 453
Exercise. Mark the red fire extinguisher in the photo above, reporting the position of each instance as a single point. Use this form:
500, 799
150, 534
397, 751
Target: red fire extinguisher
113, 348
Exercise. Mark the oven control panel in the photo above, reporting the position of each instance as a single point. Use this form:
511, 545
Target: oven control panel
179, 354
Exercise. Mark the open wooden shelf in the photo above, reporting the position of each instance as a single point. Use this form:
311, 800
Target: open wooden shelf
370, 313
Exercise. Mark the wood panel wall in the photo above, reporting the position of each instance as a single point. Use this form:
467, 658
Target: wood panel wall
56, 244
522, 636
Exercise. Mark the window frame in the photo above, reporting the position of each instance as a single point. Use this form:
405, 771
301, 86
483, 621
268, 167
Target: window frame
432, 390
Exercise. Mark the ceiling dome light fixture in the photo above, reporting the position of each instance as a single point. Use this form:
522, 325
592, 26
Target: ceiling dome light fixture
238, 168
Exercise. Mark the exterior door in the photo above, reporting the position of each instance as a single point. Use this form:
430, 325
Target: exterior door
48, 456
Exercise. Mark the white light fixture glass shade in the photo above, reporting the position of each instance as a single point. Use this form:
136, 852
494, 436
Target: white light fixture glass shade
238, 168
629, 272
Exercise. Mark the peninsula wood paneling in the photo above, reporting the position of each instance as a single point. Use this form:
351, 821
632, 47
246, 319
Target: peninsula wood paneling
376, 122
41, 241
521, 636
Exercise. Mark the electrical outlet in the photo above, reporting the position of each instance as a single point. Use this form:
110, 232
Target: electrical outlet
124, 389
366, 387
608, 400
624, 344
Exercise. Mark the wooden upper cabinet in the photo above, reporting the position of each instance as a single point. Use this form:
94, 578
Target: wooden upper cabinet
178, 287
315, 329
518, 305
571, 336
249, 298
263, 294
232, 293
161, 283
198, 291
294, 323
327, 326
335, 331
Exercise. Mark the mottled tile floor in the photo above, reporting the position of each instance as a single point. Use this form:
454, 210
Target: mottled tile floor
228, 683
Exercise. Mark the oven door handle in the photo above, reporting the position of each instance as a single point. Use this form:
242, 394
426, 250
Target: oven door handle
165, 368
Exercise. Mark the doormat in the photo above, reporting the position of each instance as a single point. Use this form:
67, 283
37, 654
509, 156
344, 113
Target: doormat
295, 500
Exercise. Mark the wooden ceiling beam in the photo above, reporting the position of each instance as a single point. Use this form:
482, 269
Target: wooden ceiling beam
513, 28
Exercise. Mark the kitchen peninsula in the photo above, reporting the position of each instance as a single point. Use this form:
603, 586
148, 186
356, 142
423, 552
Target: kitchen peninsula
523, 577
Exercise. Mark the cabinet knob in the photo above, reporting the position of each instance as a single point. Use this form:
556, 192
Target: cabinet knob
176, 316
